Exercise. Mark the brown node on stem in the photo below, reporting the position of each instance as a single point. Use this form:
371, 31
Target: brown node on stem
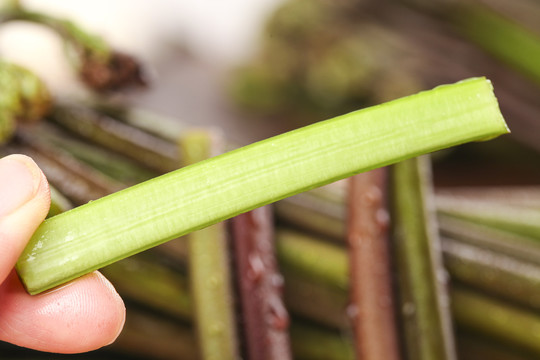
119, 72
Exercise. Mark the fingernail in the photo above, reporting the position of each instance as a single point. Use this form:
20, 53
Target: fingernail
19, 181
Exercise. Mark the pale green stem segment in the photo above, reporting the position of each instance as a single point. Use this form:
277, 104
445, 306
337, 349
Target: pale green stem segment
520, 220
132, 220
209, 274
318, 260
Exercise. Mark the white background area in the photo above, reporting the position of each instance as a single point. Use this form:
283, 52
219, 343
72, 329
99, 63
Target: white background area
221, 32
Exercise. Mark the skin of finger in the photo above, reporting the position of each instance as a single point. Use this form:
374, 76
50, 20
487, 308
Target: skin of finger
17, 228
81, 316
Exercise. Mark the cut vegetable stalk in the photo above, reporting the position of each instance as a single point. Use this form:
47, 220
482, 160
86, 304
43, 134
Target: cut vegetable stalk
132, 220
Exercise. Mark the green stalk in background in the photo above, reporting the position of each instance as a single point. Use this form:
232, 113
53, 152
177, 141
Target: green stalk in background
77, 181
494, 273
146, 335
490, 238
298, 250
520, 220
424, 301
59, 203
164, 127
319, 344
520, 195
141, 277
154, 153
506, 323
110, 163
321, 211
505, 39
316, 277
148, 214
209, 270
473, 346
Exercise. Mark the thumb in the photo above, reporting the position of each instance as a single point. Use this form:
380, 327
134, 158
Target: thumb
24, 203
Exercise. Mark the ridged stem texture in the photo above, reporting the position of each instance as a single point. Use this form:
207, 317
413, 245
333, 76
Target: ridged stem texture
132, 220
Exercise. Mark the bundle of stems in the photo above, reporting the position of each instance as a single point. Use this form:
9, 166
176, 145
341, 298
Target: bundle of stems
156, 154
307, 293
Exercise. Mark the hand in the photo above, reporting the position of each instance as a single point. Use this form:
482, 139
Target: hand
80, 316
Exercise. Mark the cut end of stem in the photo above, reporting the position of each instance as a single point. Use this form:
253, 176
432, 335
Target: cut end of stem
482, 89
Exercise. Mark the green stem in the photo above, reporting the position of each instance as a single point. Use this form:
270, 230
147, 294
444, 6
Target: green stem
502, 37
321, 211
154, 153
508, 324
209, 271
490, 238
113, 165
144, 279
494, 273
524, 196
520, 220
471, 346
316, 277
323, 261
106, 230
166, 128
155, 337
75, 180
59, 203
312, 343
424, 310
